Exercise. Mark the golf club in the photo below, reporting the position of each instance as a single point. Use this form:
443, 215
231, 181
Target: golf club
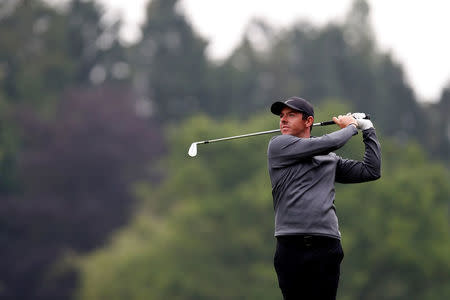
193, 149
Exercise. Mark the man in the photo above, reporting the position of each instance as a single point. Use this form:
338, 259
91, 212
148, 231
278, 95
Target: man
303, 170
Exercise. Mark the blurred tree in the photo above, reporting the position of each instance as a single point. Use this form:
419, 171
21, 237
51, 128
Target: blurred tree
342, 61
30, 51
76, 174
94, 45
358, 29
241, 83
8, 149
171, 66
438, 136
339, 60
45, 50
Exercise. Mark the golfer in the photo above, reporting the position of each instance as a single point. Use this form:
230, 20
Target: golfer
303, 170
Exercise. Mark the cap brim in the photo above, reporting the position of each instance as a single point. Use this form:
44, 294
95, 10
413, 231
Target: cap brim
278, 106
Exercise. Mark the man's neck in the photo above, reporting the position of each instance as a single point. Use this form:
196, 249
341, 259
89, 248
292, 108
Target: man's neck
305, 135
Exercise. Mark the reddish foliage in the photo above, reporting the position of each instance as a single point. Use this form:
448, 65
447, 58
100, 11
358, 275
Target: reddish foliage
76, 175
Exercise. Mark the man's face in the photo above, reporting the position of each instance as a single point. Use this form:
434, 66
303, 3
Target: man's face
291, 122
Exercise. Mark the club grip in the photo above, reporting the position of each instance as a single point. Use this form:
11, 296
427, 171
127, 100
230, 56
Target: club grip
326, 123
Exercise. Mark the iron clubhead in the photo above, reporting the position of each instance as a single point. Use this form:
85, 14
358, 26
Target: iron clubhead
193, 150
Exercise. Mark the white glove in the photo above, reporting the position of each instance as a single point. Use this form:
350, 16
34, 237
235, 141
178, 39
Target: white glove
358, 115
364, 124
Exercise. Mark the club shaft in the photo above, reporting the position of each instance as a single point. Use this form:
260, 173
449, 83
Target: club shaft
239, 136
326, 123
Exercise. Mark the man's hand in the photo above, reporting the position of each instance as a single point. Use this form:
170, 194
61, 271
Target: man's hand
344, 121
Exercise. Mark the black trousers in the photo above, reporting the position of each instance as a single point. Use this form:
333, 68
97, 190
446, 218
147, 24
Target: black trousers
308, 267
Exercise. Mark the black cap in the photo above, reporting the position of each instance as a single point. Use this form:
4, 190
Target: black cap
295, 103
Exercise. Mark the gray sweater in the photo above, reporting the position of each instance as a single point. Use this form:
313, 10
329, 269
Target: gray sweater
303, 172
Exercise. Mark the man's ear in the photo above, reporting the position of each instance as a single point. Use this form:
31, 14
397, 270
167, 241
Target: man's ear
309, 121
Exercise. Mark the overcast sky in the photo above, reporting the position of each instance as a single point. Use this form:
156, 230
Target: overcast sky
415, 31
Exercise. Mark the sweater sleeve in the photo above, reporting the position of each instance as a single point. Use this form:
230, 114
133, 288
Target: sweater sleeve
352, 171
285, 150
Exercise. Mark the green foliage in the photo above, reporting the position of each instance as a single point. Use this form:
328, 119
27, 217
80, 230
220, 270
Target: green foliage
396, 231
207, 232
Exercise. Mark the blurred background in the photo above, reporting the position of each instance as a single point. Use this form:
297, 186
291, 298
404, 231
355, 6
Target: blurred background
99, 199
